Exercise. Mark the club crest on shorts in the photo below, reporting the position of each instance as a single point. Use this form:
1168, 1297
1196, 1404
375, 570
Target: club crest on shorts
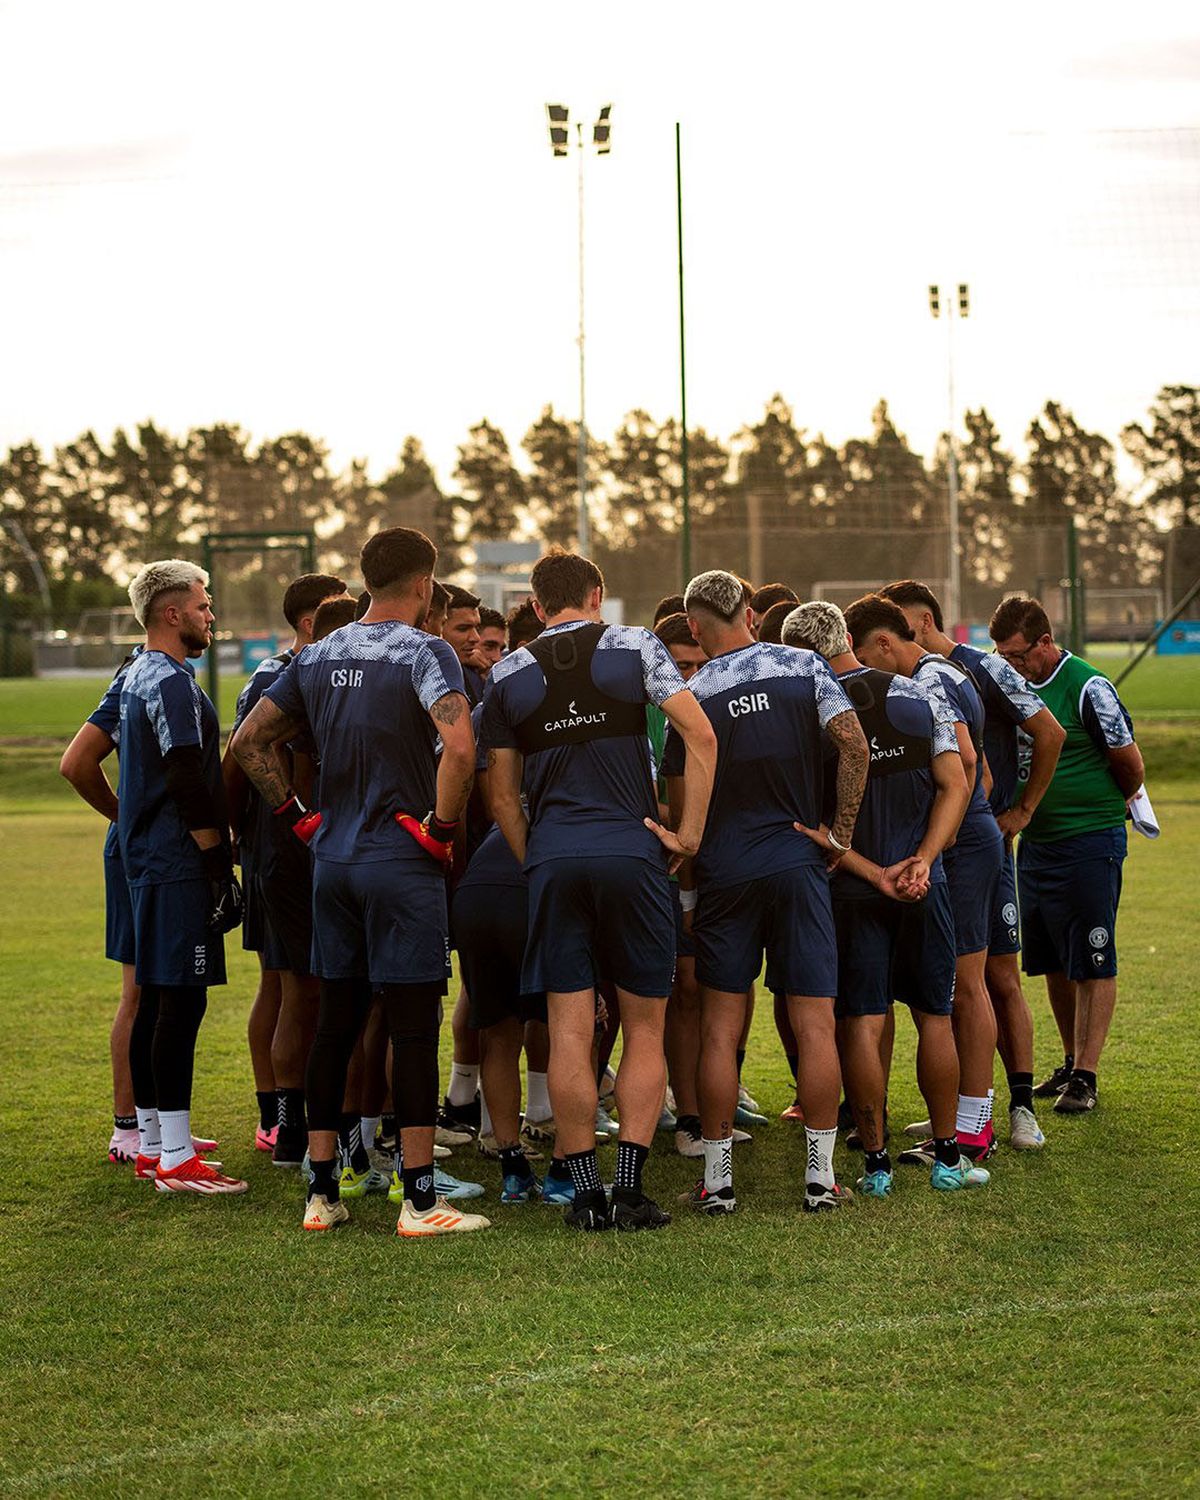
1009, 913
1098, 937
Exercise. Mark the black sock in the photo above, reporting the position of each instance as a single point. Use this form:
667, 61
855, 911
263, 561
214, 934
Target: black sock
351, 1141
1020, 1091
324, 1179
1068, 1062
585, 1172
559, 1169
418, 1187
1084, 1077
878, 1161
267, 1109
741, 1058
690, 1123
630, 1159
125, 1122
793, 1061
291, 1111
387, 1126
514, 1162
946, 1151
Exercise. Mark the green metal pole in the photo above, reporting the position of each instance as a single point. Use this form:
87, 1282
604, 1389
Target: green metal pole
1152, 639
214, 687
1075, 584
687, 504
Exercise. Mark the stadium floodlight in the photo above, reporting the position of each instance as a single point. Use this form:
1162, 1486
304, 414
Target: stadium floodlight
964, 300
953, 592
935, 301
558, 121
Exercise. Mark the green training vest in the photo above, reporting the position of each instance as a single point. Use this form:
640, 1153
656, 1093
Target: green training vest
1083, 797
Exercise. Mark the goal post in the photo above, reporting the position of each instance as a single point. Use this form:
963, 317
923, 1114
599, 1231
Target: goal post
273, 549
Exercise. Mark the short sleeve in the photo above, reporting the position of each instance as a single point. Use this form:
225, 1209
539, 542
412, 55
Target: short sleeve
945, 709
174, 710
284, 692
830, 694
436, 671
660, 675
1104, 716
107, 714
674, 754
495, 732
1014, 697
944, 738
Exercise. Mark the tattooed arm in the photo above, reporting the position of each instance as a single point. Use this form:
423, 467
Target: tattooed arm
505, 769
451, 716
253, 746
853, 759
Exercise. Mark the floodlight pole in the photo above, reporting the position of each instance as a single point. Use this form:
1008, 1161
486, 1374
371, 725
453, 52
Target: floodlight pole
686, 519
958, 297
584, 521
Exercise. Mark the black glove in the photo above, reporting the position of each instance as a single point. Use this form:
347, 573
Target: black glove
225, 903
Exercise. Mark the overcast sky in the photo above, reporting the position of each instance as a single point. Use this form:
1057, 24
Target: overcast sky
347, 220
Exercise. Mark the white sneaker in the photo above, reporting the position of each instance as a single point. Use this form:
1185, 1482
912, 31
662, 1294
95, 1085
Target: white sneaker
541, 1131
319, 1213
440, 1153
123, 1147
666, 1121
442, 1218
607, 1085
739, 1137
1024, 1132
606, 1127
670, 1099
920, 1130
687, 1144
747, 1101
487, 1145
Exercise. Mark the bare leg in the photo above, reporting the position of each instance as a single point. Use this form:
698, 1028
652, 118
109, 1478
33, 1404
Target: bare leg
642, 1076
500, 1078
260, 1029
722, 1019
1061, 991
118, 1042
537, 1045
937, 1071
1014, 1020
819, 1080
1095, 1001
571, 1076
859, 1039
376, 1052
683, 1037
294, 1029
974, 1025
466, 1041
887, 1042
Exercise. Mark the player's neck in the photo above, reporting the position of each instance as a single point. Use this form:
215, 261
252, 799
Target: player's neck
382, 610
736, 638
168, 642
939, 641
573, 617
908, 654
846, 662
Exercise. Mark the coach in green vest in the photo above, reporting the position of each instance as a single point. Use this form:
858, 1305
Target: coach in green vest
1072, 851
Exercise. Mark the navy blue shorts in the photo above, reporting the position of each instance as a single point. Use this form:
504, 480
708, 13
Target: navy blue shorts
284, 885
895, 950
605, 918
384, 921
973, 875
789, 916
685, 942
254, 933
488, 924
1006, 918
173, 944
1069, 893
119, 944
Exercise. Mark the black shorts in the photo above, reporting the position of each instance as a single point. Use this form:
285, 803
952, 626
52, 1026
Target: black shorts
685, 943
787, 915
381, 920
895, 950
284, 883
118, 914
1006, 917
973, 877
253, 918
488, 925
174, 944
1070, 891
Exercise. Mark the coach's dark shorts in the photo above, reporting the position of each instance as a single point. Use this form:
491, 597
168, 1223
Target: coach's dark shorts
119, 942
384, 921
284, 881
488, 924
1006, 920
609, 917
895, 950
685, 942
254, 934
973, 875
173, 943
1069, 893
788, 915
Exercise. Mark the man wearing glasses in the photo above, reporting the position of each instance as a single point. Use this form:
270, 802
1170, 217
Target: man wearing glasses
1071, 852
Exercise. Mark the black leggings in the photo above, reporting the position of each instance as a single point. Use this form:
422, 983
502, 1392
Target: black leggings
412, 1015
162, 1045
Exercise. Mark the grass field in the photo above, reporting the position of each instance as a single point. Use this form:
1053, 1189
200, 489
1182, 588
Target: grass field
1037, 1337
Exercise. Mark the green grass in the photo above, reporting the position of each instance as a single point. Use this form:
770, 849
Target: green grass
1038, 1336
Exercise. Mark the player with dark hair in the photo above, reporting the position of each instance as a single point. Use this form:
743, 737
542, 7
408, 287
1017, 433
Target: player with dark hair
435, 615
376, 696
765, 599
770, 626
332, 614
758, 885
461, 629
882, 638
895, 944
523, 625
173, 830
1073, 847
670, 604
492, 636
564, 720
1010, 709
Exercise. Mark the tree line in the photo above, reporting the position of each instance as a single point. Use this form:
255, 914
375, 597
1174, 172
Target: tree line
85, 514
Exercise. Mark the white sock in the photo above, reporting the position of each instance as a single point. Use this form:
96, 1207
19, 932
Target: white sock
149, 1132
176, 1137
370, 1128
464, 1080
485, 1119
974, 1113
718, 1164
819, 1167
537, 1103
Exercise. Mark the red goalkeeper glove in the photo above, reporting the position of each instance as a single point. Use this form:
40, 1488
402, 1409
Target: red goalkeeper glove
302, 822
434, 836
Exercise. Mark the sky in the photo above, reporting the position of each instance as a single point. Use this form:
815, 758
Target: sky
347, 220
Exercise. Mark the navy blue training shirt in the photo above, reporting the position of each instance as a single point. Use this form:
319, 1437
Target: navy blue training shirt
587, 796
979, 822
107, 718
256, 828
163, 708
1008, 701
905, 730
366, 691
769, 706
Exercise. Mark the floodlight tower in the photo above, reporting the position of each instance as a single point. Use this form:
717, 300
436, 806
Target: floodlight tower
558, 121
963, 303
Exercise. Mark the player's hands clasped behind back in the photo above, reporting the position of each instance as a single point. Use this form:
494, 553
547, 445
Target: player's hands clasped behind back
225, 902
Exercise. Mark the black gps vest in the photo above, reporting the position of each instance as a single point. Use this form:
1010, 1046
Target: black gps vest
891, 749
575, 711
